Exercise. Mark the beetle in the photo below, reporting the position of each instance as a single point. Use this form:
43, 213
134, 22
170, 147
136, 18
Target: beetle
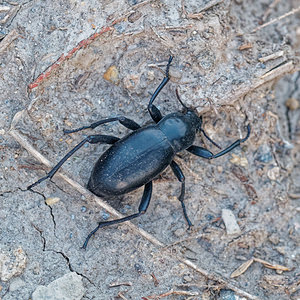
138, 158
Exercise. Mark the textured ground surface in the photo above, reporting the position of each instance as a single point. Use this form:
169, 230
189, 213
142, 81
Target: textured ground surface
65, 64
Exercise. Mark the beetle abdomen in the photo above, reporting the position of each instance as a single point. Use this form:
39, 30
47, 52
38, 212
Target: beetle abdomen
131, 162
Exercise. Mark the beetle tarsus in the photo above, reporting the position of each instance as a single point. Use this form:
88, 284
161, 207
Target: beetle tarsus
168, 65
153, 110
145, 201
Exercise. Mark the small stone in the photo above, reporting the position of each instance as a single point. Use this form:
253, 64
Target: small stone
36, 269
105, 215
264, 154
150, 75
179, 232
219, 169
263, 66
175, 74
16, 284
292, 104
241, 257
265, 158
12, 264
67, 287
240, 161
206, 35
131, 82
273, 173
281, 250
274, 239
232, 227
120, 27
187, 278
139, 268
227, 295
52, 200
112, 75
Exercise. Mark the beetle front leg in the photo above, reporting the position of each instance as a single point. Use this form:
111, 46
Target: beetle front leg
202, 152
91, 139
145, 201
153, 110
180, 176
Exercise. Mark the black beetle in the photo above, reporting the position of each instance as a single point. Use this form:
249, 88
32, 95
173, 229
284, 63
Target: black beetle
136, 159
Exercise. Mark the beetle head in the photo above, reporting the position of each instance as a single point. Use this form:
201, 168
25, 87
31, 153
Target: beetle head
191, 113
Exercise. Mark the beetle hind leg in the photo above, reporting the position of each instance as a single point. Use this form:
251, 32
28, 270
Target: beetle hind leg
91, 139
145, 201
180, 176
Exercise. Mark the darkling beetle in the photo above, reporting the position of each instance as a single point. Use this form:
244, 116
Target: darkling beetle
136, 159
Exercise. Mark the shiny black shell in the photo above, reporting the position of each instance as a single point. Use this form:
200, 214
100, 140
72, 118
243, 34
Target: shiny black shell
131, 162
142, 155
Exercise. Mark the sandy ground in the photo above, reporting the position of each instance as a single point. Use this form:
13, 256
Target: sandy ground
66, 64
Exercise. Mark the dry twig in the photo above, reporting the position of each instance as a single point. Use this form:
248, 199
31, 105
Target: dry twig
181, 293
120, 295
8, 40
292, 12
117, 284
271, 56
244, 267
268, 11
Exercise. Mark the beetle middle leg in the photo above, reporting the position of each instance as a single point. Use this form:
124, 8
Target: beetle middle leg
153, 110
202, 152
145, 201
128, 123
91, 139
180, 176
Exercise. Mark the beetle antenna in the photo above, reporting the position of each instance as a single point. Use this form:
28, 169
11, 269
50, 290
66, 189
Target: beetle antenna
178, 97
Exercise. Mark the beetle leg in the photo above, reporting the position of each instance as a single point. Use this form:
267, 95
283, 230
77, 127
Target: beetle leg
202, 152
205, 134
180, 176
142, 209
91, 139
128, 123
153, 110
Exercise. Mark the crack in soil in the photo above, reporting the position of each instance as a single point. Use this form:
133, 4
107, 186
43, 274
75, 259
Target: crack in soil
50, 208
67, 259
50, 250
11, 192
70, 266
41, 235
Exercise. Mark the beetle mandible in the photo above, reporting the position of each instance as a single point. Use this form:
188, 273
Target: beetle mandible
136, 159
